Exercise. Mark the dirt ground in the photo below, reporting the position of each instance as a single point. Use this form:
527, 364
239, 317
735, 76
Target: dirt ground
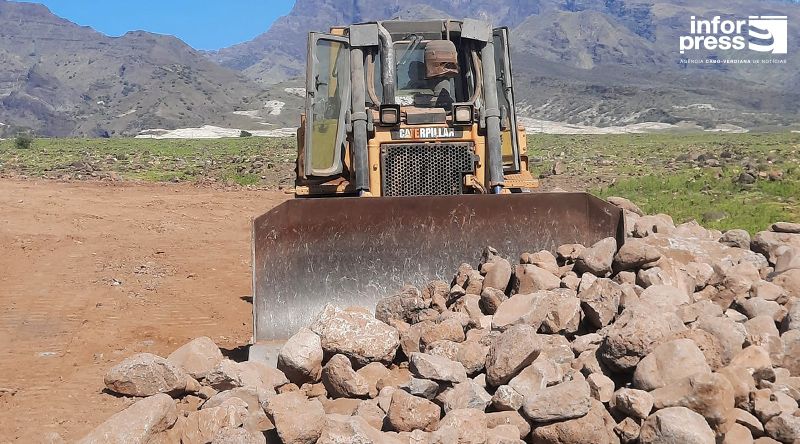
91, 273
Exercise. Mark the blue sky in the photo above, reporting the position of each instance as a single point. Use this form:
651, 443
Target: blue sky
203, 24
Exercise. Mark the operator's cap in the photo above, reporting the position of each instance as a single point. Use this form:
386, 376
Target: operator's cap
441, 59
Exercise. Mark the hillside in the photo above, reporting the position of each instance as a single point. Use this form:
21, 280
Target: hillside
60, 79
591, 62
584, 62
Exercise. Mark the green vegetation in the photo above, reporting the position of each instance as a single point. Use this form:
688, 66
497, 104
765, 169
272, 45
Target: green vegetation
242, 161
23, 141
688, 176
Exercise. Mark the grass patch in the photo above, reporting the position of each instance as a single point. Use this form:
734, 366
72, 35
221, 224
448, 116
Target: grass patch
688, 176
241, 160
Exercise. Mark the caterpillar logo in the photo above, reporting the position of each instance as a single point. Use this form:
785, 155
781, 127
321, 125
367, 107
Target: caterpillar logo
426, 133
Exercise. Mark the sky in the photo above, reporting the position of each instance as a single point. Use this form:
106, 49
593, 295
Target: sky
203, 24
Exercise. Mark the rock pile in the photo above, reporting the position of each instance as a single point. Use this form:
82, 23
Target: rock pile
681, 335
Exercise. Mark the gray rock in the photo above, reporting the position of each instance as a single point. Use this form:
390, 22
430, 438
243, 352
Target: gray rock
424, 388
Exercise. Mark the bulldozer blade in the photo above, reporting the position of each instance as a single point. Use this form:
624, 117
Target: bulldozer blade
354, 251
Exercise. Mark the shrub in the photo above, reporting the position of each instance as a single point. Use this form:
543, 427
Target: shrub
245, 133
23, 141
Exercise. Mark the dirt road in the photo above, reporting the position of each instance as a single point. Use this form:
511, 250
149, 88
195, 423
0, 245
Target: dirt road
91, 273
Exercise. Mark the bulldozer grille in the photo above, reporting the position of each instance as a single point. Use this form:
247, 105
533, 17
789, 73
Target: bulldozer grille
426, 169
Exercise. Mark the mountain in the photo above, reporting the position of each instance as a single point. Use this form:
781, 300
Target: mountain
590, 62
61, 79
594, 62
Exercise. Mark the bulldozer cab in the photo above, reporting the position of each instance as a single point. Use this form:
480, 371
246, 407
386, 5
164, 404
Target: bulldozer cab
423, 81
410, 162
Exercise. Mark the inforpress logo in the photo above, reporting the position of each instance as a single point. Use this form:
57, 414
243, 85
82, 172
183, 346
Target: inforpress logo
768, 34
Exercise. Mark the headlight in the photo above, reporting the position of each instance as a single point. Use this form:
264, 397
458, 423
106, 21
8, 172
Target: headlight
390, 114
462, 114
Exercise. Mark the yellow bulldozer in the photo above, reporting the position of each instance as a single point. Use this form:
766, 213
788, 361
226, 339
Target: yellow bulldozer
410, 161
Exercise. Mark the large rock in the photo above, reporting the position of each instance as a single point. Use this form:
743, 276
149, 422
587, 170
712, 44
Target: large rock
562, 312
340, 429
669, 362
791, 351
784, 428
496, 273
437, 368
146, 374
768, 242
297, 420
355, 334
449, 329
512, 351
789, 280
634, 253
632, 402
636, 332
505, 398
625, 204
730, 334
408, 412
676, 425
530, 278
665, 297
202, 425
145, 421
300, 358
709, 394
598, 258
568, 400
404, 306
553, 311
463, 426
235, 435
596, 427
494, 419
464, 395
736, 238
225, 376
197, 357
600, 302
341, 381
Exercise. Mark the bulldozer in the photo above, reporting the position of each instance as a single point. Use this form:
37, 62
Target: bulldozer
410, 162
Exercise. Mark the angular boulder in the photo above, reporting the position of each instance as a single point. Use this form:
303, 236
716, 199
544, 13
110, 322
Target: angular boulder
355, 334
